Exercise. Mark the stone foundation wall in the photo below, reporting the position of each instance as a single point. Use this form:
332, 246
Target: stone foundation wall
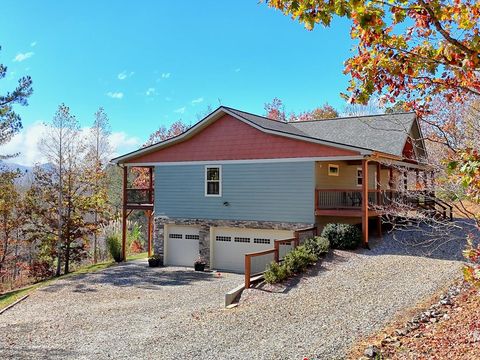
205, 224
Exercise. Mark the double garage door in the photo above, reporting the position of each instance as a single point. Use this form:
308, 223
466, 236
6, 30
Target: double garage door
228, 246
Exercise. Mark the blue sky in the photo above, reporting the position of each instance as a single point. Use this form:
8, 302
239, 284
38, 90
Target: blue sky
149, 63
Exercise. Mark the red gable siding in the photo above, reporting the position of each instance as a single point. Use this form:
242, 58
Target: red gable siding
408, 151
231, 139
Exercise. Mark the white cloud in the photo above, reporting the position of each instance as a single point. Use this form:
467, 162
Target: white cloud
180, 110
124, 74
165, 75
168, 98
150, 91
27, 144
23, 56
237, 70
122, 143
115, 95
197, 101
33, 44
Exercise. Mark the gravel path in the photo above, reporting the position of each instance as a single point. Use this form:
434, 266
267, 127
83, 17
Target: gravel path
131, 311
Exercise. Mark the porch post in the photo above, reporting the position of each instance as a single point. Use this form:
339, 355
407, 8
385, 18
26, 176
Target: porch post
150, 184
379, 199
405, 179
365, 202
124, 214
390, 178
379, 182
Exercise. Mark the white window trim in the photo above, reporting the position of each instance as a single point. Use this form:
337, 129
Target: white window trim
357, 177
219, 167
333, 166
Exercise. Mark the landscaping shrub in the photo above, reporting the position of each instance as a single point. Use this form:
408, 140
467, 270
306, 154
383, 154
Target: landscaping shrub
275, 273
317, 245
298, 260
114, 247
342, 236
295, 261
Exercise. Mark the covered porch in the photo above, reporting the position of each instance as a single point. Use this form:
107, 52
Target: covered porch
342, 186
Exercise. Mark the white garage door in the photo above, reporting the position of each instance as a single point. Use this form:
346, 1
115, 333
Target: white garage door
231, 244
181, 245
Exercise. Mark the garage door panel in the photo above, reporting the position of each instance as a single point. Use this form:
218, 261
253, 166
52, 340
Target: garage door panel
231, 244
182, 245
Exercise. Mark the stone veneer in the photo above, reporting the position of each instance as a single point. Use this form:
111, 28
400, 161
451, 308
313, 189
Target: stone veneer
204, 232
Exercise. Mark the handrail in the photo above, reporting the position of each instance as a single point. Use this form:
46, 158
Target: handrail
275, 251
140, 195
277, 243
248, 263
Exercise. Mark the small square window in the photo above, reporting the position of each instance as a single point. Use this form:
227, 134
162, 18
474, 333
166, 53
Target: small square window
213, 181
333, 170
359, 177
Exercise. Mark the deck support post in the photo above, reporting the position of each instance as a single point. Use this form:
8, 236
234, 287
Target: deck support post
150, 184
390, 178
124, 214
149, 232
365, 202
379, 199
424, 178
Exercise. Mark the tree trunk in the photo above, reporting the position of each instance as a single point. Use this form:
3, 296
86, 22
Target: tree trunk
95, 239
60, 208
67, 257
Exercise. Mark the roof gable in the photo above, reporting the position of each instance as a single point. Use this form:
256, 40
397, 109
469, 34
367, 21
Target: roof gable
230, 139
386, 133
260, 123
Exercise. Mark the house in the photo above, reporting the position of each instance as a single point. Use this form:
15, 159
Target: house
234, 182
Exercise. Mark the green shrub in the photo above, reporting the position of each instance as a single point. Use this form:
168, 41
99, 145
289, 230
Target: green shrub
298, 260
317, 245
114, 247
342, 236
275, 273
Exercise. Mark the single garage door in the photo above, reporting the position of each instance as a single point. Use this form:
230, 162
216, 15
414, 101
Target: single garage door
181, 245
231, 244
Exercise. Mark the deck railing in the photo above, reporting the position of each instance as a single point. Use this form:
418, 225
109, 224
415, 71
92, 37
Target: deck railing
292, 243
353, 198
381, 200
139, 196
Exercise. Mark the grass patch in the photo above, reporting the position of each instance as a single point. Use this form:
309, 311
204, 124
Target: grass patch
138, 256
12, 296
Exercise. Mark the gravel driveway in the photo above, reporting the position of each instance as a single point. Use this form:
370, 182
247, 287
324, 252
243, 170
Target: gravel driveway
131, 311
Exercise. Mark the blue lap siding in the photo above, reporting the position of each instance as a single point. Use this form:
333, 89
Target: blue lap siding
282, 191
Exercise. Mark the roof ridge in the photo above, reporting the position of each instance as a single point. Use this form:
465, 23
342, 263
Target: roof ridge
352, 117
260, 116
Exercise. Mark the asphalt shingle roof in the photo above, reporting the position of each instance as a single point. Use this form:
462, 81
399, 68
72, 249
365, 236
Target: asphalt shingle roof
386, 133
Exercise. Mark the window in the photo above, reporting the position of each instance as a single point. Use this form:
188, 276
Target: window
261, 241
175, 236
192, 237
242, 239
213, 181
359, 177
223, 238
333, 170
